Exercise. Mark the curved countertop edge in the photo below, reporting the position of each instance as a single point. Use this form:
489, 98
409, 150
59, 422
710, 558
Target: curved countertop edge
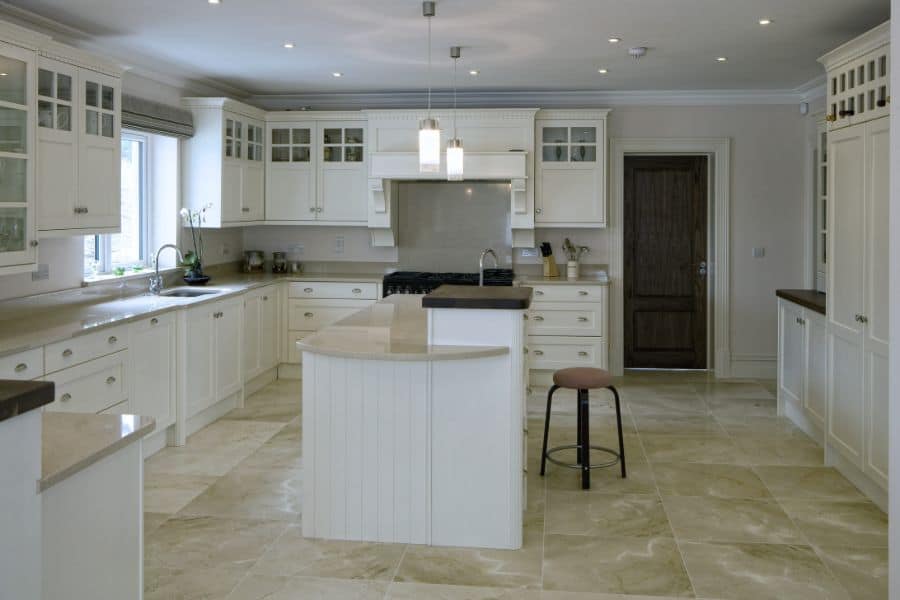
72, 442
428, 353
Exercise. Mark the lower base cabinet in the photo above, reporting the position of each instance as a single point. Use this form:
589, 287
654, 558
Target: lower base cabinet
802, 363
153, 369
211, 343
260, 331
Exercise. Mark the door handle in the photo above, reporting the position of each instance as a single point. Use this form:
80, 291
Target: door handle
861, 319
21, 367
702, 269
538, 318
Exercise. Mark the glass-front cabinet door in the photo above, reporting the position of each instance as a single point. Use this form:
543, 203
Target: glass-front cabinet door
17, 146
57, 146
342, 184
99, 152
290, 172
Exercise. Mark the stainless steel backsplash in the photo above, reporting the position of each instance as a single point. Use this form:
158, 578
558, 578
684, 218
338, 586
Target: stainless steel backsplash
444, 226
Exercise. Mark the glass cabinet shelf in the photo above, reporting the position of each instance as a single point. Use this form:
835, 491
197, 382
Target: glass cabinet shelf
569, 144
343, 145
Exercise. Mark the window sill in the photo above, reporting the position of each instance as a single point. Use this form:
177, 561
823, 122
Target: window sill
101, 278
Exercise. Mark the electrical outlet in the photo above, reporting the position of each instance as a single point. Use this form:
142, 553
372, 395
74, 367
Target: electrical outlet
42, 273
338, 244
529, 252
759, 252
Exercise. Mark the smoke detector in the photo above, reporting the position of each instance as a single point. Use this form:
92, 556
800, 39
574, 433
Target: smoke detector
637, 52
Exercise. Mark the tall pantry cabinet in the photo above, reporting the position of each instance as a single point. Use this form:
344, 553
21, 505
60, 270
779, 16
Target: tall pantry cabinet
858, 269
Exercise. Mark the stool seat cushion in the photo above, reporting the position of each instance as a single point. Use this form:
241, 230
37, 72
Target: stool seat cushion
582, 378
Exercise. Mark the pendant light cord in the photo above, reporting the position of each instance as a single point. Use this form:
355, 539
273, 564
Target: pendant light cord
429, 67
455, 62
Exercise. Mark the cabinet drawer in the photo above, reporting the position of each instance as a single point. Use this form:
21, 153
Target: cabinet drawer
91, 387
83, 348
122, 408
294, 356
569, 293
559, 318
331, 289
24, 365
549, 352
313, 315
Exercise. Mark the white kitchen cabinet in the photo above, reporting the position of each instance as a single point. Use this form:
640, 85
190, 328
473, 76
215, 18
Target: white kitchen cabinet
212, 356
153, 369
802, 365
18, 234
570, 172
99, 152
260, 331
23, 365
58, 129
93, 386
291, 172
342, 183
224, 162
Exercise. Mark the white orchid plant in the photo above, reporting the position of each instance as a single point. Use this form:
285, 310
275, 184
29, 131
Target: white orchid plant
193, 259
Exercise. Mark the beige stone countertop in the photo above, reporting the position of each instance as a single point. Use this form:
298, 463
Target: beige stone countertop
394, 328
71, 442
586, 279
35, 321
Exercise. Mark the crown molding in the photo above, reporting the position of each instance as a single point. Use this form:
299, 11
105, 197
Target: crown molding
857, 47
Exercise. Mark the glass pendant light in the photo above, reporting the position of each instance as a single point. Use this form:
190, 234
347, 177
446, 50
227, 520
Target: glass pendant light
454, 146
429, 130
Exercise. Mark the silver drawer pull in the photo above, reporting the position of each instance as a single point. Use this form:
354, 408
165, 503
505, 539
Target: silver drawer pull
538, 353
308, 315
538, 293
538, 318
357, 291
67, 353
308, 290
154, 321
110, 380
65, 397
112, 339
265, 298
312, 209
21, 367
582, 353
583, 319
582, 293
245, 209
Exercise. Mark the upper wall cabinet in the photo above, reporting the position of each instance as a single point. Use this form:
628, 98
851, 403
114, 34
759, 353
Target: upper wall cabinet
858, 79
224, 163
18, 243
570, 169
316, 172
79, 149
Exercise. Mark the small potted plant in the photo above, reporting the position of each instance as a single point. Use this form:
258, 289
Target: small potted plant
193, 259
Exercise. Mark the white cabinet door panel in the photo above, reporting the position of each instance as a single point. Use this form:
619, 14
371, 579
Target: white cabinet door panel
846, 395
198, 386
153, 368
791, 353
252, 302
232, 186
228, 348
268, 329
290, 194
815, 401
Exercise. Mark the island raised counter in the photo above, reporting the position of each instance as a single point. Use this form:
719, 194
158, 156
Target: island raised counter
413, 423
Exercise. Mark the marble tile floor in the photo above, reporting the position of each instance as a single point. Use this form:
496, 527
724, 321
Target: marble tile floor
724, 500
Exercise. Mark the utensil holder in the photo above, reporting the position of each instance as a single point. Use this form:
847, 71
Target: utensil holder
550, 269
572, 269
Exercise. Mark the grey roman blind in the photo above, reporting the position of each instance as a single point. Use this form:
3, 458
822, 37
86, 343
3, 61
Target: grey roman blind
153, 117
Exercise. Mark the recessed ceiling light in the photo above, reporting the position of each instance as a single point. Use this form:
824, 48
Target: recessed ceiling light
602, 71
474, 72
214, 1
614, 40
722, 58
765, 21
337, 74
3, 74
289, 45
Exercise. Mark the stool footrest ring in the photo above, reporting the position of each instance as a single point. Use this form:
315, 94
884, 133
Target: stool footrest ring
610, 463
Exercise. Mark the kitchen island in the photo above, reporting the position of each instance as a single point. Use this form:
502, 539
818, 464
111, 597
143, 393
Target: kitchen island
413, 421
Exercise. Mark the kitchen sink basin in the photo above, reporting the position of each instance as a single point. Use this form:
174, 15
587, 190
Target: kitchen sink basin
188, 292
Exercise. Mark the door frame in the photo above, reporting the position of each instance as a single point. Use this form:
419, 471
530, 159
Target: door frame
718, 150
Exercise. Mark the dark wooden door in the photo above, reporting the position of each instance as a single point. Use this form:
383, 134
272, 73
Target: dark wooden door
665, 260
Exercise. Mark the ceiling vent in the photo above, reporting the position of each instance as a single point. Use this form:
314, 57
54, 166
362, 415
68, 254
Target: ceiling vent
637, 52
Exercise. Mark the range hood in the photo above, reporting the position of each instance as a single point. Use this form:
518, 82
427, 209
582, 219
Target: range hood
388, 167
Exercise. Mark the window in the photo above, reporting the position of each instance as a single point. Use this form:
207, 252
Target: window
128, 250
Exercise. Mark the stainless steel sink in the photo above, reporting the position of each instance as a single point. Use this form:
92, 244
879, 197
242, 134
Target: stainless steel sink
189, 292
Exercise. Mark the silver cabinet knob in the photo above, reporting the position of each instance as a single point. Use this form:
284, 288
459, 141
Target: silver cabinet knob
538, 293
312, 209
154, 321
582, 353
65, 397
265, 298
67, 353
538, 318
538, 352
110, 380
357, 291
112, 339
245, 209
308, 290
583, 319
308, 315
33, 243
538, 210
318, 209
582, 293
21, 367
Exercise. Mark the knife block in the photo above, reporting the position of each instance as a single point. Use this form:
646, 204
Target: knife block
550, 269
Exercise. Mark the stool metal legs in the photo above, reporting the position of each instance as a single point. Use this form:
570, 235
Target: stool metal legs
583, 446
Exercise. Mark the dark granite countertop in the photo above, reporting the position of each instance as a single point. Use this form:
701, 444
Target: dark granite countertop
17, 397
469, 296
810, 299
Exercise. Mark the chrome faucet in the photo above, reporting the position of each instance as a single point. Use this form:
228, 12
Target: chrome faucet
156, 282
488, 251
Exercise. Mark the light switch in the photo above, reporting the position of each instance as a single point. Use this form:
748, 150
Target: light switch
338, 244
759, 252
529, 252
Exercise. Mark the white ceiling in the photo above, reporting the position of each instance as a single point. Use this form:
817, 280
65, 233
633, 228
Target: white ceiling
379, 45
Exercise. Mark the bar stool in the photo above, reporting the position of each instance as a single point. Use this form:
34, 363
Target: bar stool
583, 379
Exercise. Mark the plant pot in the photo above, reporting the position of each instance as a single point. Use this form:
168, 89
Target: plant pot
572, 269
